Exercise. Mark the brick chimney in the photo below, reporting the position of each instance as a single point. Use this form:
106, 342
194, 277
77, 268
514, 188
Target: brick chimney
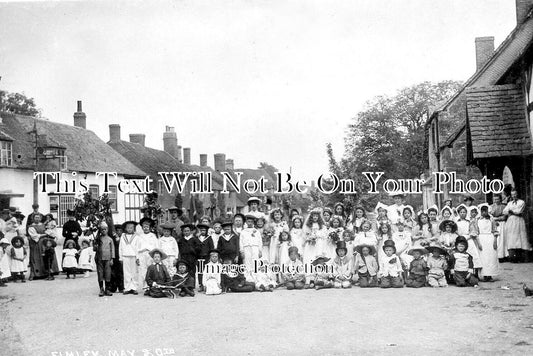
114, 132
484, 50
187, 155
180, 158
203, 160
138, 138
80, 119
170, 141
523, 7
220, 162
229, 164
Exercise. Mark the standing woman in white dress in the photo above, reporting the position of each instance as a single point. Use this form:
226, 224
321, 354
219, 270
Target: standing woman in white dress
515, 228
488, 241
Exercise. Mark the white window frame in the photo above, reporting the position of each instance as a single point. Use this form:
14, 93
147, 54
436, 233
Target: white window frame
6, 153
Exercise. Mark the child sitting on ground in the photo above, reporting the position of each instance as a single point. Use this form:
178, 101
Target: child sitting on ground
437, 265
418, 268
233, 281
211, 276
264, 280
390, 267
342, 267
366, 266
157, 276
462, 265
183, 280
18, 255
69, 259
294, 277
323, 276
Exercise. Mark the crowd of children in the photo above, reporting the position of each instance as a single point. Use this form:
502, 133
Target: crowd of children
396, 248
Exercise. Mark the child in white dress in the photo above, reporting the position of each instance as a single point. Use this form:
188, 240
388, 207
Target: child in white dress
86, 261
69, 259
283, 248
18, 255
313, 230
297, 233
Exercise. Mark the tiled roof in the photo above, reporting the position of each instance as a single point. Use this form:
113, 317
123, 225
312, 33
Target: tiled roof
85, 151
497, 121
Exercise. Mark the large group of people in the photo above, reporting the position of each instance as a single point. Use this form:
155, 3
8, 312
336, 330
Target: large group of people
391, 247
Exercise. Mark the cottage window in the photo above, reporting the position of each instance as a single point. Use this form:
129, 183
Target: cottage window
132, 205
95, 191
113, 197
6, 153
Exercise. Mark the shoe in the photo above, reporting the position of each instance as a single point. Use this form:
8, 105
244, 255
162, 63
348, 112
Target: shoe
68, 277
121, 290
125, 292
108, 293
52, 278
74, 276
262, 289
134, 292
101, 294
182, 294
23, 281
190, 292
270, 289
147, 292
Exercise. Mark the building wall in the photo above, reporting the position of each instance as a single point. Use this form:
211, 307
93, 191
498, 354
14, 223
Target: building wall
19, 181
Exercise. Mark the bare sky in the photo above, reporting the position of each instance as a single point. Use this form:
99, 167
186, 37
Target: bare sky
258, 80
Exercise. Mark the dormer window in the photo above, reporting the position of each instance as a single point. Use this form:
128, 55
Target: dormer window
6, 153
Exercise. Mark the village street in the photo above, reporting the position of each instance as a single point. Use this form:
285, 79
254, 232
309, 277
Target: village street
66, 317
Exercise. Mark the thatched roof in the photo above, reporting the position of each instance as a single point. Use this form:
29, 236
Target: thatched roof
85, 151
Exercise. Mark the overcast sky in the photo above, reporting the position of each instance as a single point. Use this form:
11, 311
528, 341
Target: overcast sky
258, 80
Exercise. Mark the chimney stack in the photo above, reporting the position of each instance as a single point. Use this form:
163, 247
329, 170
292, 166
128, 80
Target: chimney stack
523, 7
114, 132
170, 142
138, 138
220, 162
80, 119
187, 155
203, 160
180, 158
229, 164
484, 50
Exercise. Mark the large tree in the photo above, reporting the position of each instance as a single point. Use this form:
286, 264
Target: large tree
388, 136
18, 103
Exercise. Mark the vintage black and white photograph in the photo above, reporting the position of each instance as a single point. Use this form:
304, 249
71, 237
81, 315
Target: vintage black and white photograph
254, 177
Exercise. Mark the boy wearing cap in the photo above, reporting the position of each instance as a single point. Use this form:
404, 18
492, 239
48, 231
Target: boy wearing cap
183, 280
128, 250
366, 266
390, 267
322, 278
228, 243
418, 268
105, 251
188, 247
146, 243
342, 267
211, 278
294, 277
205, 245
169, 246
250, 246
437, 265
462, 264
157, 276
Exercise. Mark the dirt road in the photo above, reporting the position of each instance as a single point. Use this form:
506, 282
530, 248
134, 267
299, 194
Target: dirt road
66, 317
